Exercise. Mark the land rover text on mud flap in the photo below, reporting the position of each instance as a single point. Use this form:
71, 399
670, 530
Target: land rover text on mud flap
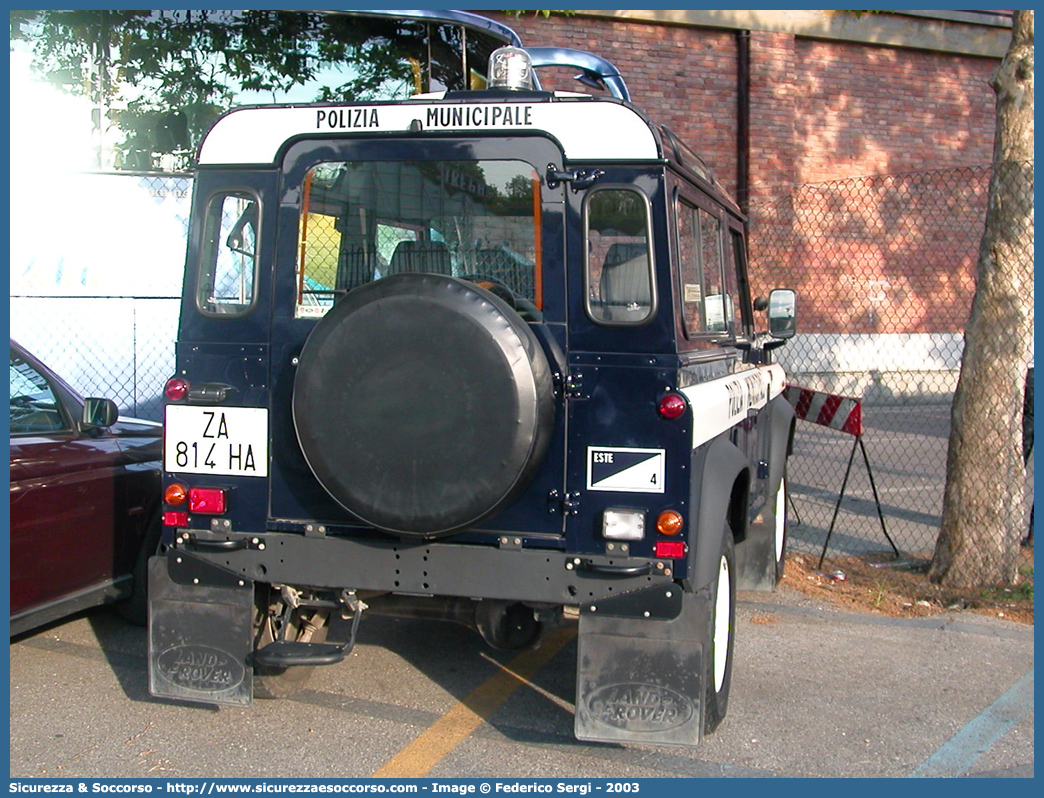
487, 356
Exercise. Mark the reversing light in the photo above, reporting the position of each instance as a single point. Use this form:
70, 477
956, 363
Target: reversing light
175, 494
673, 405
510, 68
210, 501
669, 522
176, 389
669, 549
623, 524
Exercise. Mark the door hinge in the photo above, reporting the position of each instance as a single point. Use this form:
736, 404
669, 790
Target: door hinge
570, 386
565, 504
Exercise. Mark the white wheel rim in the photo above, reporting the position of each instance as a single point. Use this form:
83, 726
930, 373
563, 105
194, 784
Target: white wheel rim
722, 614
781, 517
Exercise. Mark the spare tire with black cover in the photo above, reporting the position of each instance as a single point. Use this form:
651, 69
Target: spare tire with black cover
423, 404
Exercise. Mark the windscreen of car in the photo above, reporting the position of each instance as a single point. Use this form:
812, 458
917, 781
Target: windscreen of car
34, 407
361, 221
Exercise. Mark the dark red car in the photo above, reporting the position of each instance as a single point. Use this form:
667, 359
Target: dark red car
85, 493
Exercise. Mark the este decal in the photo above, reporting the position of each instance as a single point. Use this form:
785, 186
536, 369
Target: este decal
625, 470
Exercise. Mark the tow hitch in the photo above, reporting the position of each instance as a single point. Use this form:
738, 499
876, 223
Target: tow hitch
290, 653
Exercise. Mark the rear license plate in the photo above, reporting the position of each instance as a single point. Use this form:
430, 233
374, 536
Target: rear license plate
216, 440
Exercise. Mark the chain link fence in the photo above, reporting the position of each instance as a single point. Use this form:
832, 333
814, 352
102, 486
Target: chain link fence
884, 267
885, 270
96, 281
120, 348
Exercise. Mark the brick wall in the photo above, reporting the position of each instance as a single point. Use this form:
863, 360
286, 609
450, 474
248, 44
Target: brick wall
820, 110
865, 110
774, 94
682, 77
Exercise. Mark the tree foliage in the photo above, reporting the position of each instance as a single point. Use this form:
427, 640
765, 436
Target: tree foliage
161, 77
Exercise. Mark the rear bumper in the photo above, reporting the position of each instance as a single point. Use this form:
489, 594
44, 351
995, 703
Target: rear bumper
507, 572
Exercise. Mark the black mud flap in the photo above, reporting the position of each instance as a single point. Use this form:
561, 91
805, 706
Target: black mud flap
199, 632
640, 668
756, 555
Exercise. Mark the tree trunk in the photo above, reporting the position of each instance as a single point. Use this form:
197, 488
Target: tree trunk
983, 505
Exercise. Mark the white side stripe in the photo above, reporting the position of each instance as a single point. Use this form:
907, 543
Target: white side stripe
719, 405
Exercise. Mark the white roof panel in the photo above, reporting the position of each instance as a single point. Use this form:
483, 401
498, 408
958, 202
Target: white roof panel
587, 129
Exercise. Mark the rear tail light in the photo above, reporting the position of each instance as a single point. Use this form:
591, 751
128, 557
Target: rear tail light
210, 501
673, 405
176, 389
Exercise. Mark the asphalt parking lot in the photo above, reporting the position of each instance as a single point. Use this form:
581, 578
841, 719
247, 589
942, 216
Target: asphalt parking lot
817, 692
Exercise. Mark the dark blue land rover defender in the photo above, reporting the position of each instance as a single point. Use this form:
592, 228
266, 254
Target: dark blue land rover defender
488, 355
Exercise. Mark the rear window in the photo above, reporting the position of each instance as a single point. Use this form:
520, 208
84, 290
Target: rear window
361, 221
228, 260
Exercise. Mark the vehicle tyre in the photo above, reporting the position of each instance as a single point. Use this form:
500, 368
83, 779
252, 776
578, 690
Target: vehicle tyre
781, 516
718, 665
135, 608
423, 404
306, 625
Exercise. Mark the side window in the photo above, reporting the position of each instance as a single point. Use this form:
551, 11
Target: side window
690, 268
707, 306
229, 257
619, 261
716, 306
736, 281
34, 407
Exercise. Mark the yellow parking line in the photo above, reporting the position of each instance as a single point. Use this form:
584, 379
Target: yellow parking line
449, 731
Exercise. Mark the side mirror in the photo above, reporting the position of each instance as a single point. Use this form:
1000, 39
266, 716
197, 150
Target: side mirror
782, 313
99, 413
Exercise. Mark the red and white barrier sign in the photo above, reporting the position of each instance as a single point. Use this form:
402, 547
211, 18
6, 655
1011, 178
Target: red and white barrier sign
844, 413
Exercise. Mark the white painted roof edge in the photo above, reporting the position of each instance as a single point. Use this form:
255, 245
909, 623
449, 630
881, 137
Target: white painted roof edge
587, 130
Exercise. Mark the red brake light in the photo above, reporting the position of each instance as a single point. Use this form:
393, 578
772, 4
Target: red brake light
670, 549
207, 500
176, 389
673, 405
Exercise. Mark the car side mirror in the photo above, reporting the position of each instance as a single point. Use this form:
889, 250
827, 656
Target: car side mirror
99, 412
782, 313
